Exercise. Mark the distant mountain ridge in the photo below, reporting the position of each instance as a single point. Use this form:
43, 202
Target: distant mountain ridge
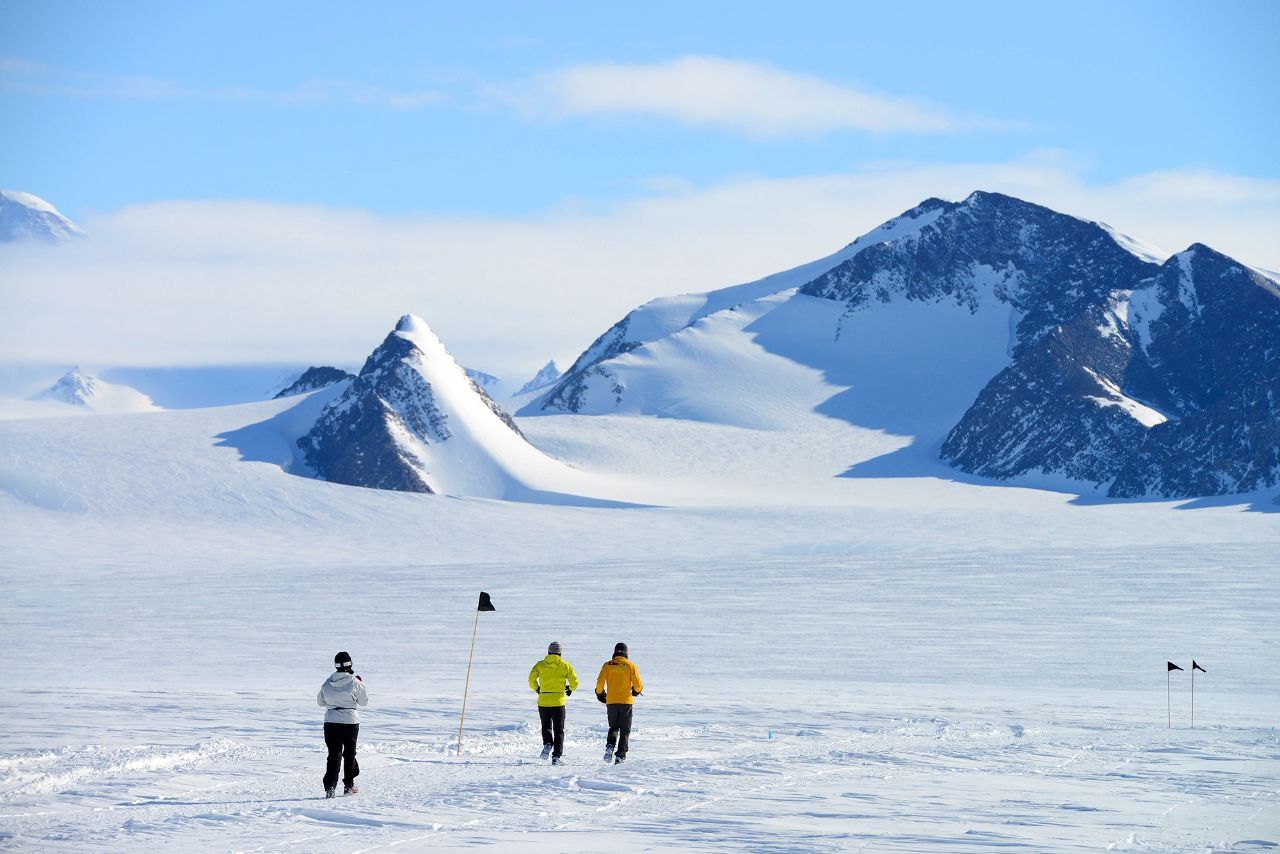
545, 376
79, 389
313, 379
1125, 374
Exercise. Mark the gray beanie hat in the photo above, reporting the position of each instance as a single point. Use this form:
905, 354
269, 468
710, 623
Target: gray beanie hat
553, 648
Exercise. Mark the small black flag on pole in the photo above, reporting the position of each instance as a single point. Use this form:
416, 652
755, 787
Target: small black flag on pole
1173, 666
1195, 667
485, 604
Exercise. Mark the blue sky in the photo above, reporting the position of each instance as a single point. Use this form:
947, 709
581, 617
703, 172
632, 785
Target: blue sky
1125, 87
524, 175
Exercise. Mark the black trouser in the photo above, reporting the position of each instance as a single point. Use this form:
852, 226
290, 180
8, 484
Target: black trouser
552, 718
341, 741
619, 728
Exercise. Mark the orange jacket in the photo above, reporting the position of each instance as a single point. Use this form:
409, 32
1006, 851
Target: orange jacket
621, 677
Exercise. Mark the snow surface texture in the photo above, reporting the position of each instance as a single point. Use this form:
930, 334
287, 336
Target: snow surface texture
868, 662
28, 218
1055, 349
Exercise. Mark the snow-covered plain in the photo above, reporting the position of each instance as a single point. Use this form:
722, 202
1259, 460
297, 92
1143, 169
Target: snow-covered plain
845, 646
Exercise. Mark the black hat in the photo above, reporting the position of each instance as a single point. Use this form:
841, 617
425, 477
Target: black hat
342, 661
620, 648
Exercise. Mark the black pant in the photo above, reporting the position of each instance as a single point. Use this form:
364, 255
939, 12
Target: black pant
341, 741
552, 717
619, 728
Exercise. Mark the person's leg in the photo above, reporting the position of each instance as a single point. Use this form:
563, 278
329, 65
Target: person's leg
624, 730
558, 720
612, 741
544, 716
351, 768
333, 741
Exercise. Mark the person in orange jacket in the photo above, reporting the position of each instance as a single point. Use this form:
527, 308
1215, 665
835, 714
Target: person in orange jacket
617, 686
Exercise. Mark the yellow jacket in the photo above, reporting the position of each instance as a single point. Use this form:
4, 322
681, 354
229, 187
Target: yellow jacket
549, 678
622, 677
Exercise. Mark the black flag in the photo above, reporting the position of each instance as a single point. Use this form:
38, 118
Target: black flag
485, 603
1173, 666
1195, 666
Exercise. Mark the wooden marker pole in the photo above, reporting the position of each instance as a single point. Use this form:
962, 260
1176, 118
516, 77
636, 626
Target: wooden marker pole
467, 687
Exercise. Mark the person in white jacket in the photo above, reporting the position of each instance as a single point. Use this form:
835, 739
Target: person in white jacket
340, 694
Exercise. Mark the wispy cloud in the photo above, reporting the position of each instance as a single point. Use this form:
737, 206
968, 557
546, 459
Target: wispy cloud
749, 97
191, 282
31, 78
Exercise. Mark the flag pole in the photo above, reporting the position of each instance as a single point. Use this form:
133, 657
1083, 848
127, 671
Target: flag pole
467, 687
1168, 696
1195, 665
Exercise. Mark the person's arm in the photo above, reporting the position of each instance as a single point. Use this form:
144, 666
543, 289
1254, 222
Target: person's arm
320, 698
362, 696
637, 687
533, 678
600, 681
573, 678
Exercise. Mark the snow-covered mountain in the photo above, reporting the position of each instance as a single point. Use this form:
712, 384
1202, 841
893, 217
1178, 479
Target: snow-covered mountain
79, 389
1012, 340
28, 218
545, 376
413, 420
314, 379
589, 382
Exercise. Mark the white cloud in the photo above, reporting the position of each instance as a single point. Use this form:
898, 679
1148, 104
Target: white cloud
30, 78
738, 95
202, 282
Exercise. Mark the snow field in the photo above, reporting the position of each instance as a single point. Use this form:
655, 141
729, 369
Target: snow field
1037, 720
941, 662
853, 780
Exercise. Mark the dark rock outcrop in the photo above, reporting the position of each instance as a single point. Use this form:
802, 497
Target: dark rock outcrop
314, 379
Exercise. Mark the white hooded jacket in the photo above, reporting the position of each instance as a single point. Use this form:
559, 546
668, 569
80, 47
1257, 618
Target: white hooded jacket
340, 694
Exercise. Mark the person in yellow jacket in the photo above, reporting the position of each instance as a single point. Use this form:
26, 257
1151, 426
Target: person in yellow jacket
554, 679
617, 686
